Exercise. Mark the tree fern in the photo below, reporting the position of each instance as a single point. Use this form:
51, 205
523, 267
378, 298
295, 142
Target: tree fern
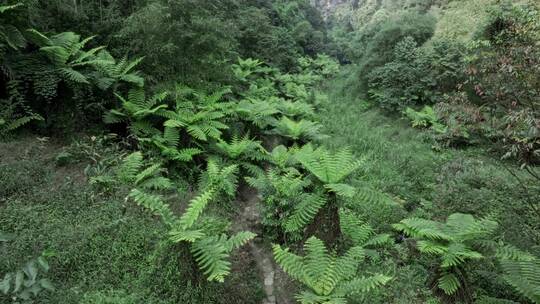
304, 211
452, 241
210, 251
136, 110
202, 116
298, 130
296, 109
241, 148
247, 67
329, 168
259, 112
282, 157
110, 71
287, 205
247, 153
137, 106
65, 51
329, 278
10, 35
521, 270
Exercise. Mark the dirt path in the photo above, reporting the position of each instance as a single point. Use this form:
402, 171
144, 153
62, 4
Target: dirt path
276, 283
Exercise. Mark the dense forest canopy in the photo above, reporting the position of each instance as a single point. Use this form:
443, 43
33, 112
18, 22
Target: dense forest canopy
269, 151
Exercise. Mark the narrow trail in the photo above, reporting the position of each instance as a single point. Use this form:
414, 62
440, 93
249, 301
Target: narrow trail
275, 281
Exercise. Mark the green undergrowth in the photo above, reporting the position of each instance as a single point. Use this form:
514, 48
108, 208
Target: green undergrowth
427, 181
104, 249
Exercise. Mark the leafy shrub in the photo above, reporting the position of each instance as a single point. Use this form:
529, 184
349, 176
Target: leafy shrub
405, 80
25, 285
383, 39
504, 77
322, 65
425, 118
464, 121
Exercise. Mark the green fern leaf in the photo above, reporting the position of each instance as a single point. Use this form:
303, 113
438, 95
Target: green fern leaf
195, 208
304, 212
177, 235
154, 203
449, 283
130, 167
239, 240
364, 284
341, 189
211, 256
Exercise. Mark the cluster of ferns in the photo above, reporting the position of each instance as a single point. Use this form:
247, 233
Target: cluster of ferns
264, 132
261, 132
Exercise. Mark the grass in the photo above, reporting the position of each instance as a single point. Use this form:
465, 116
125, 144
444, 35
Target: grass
430, 181
425, 179
105, 250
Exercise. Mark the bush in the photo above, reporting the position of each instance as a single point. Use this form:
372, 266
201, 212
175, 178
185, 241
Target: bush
404, 81
381, 46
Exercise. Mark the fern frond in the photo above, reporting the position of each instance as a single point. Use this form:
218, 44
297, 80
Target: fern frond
524, 276
4, 8
364, 284
130, 167
12, 36
197, 132
147, 172
449, 283
177, 235
114, 116
343, 190
372, 197
74, 76
327, 167
211, 256
154, 203
353, 228
509, 252
304, 212
195, 208
421, 228
156, 183
347, 265
291, 263
19, 122
302, 129
238, 240
319, 267
188, 153
430, 247
171, 136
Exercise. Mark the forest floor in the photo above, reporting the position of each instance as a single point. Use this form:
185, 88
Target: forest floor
107, 248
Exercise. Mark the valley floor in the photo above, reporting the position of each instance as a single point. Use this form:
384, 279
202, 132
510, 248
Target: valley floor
107, 249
